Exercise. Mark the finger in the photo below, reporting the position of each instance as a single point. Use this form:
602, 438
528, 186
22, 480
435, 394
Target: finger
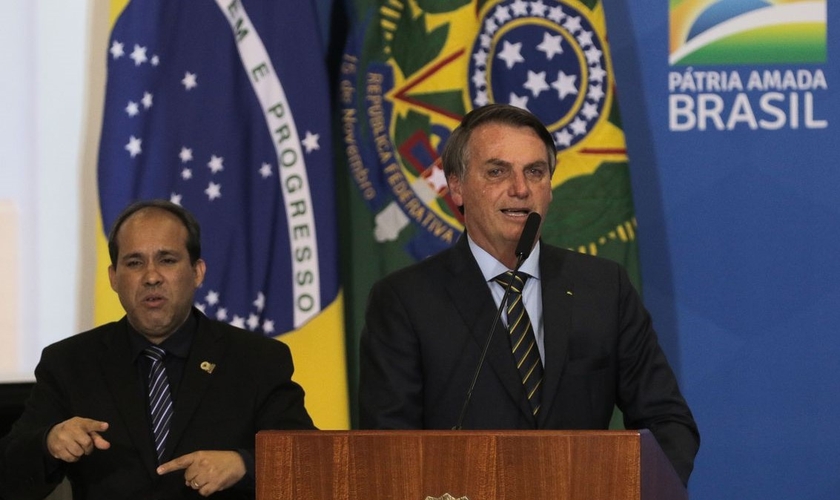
71, 452
99, 442
207, 490
89, 425
179, 463
202, 489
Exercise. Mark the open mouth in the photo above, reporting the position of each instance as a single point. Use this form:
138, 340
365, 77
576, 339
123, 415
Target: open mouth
154, 300
516, 212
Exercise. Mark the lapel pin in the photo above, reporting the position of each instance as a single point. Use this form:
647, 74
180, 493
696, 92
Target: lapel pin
569, 292
208, 366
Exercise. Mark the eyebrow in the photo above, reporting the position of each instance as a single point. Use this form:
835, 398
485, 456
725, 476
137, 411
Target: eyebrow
160, 253
504, 163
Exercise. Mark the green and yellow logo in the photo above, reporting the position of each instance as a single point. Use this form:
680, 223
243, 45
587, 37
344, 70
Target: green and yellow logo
705, 32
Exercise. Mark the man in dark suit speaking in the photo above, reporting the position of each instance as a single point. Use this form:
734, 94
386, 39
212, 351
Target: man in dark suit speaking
582, 343
162, 404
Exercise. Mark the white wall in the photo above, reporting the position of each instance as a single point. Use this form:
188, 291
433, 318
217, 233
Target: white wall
44, 162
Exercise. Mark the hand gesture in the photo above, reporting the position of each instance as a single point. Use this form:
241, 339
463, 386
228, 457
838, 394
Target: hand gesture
207, 471
74, 438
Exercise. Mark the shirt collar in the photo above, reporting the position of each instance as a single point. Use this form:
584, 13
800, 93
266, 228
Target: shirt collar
178, 344
490, 267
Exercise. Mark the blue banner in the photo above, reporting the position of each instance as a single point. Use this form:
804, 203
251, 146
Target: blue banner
732, 122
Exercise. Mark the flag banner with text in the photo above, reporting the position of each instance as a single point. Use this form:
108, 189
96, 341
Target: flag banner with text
222, 107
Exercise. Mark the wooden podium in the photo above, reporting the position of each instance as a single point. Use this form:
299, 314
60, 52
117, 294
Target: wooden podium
477, 465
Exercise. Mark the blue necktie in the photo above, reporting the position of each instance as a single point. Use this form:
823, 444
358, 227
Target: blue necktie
523, 342
160, 400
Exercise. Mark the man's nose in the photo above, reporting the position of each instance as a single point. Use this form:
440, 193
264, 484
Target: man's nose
151, 276
518, 185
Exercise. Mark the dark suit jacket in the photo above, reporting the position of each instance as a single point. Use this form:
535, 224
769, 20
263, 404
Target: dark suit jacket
427, 324
92, 375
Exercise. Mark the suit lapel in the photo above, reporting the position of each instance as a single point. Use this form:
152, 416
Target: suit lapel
121, 376
208, 346
558, 299
472, 298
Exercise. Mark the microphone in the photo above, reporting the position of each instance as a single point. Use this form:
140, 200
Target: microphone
523, 250
526, 239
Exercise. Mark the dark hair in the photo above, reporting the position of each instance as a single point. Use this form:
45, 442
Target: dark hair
455, 153
193, 229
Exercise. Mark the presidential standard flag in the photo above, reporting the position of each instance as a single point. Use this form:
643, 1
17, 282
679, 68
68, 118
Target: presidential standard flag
223, 108
411, 71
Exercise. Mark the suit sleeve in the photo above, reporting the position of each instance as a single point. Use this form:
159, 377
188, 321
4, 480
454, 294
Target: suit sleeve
280, 404
648, 393
283, 406
390, 368
27, 469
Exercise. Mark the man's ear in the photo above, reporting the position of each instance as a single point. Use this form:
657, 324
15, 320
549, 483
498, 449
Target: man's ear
454, 183
112, 277
199, 269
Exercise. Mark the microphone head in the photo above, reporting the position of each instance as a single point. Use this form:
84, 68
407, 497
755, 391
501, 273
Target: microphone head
529, 234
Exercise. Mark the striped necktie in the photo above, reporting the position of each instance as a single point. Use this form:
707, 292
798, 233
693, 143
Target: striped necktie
160, 400
523, 342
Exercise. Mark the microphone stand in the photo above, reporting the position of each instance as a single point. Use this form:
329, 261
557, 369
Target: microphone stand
519, 260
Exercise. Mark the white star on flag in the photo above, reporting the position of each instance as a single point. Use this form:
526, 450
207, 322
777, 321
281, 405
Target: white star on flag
589, 110
134, 146
185, 155
117, 50
311, 142
175, 198
565, 84
215, 164
132, 109
253, 321
490, 26
572, 24
520, 8
596, 93
597, 74
593, 55
481, 98
155, 60
260, 302
480, 58
511, 53
479, 78
556, 14
578, 126
538, 8
268, 326
213, 191
238, 321
584, 38
212, 297
186, 174
189, 80
519, 102
502, 14
550, 45
147, 100
265, 170
563, 138
138, 55
536, 83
